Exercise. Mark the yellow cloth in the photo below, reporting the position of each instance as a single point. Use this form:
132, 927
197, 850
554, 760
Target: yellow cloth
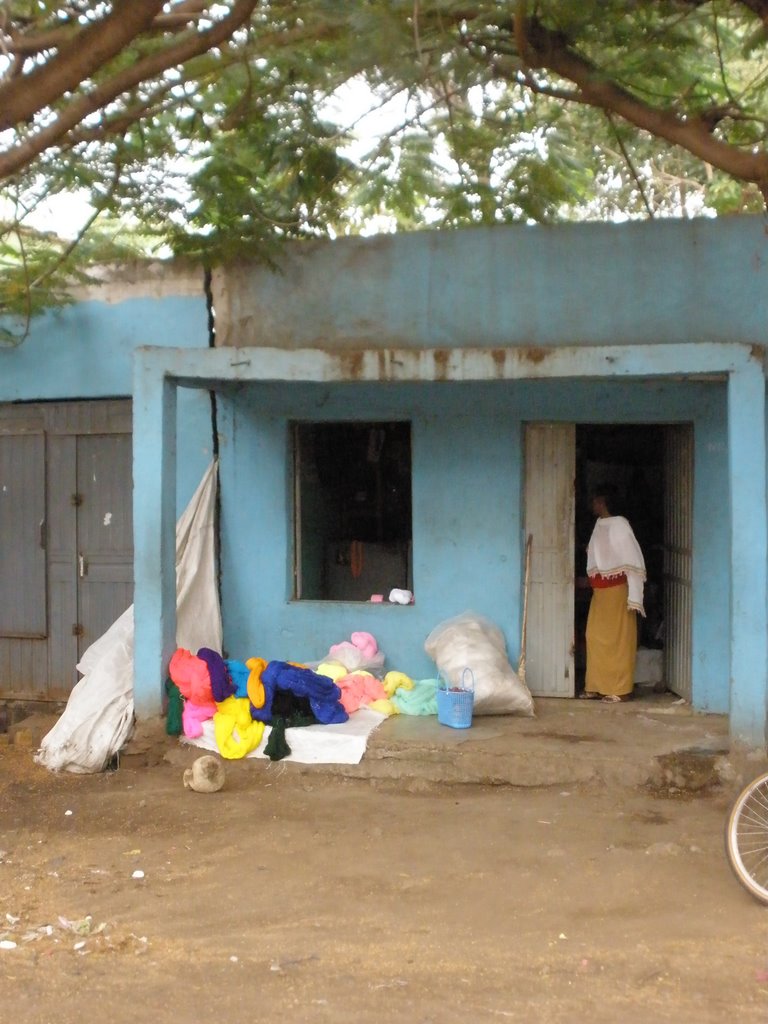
237, 734
611, 642
255, 687
384, 707
333, 669
396, 681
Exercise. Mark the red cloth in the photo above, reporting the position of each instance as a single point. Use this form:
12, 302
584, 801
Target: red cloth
191, 675
358, 689
600, 582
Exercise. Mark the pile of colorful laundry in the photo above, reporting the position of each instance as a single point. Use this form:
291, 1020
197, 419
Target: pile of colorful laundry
242, 698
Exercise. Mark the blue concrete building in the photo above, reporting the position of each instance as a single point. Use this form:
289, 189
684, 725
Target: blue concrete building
406, 411
66, 467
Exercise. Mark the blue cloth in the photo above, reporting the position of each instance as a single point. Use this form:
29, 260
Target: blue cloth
221, 684
238, 673
321, 691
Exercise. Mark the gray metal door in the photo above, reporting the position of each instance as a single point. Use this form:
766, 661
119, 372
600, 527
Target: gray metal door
66, 551
104, 533
23, 611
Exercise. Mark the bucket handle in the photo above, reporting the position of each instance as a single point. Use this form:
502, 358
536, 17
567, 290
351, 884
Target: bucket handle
443, 682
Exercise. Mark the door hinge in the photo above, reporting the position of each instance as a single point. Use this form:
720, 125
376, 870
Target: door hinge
77, 630
76, 500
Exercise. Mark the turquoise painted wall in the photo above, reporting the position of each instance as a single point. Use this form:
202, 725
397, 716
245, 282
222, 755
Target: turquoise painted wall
584, 284
85, 351
467, 526
587, 284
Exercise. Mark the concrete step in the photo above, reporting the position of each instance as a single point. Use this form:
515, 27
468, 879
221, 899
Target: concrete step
655, 742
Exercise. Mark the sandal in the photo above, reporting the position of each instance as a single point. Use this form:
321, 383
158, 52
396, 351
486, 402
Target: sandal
613, 698
589, 695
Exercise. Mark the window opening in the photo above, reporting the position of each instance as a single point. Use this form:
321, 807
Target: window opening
352, 510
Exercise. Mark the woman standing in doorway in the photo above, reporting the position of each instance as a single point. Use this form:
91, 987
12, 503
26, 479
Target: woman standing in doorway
616, 571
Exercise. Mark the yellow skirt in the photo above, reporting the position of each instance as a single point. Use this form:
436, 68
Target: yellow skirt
611, 642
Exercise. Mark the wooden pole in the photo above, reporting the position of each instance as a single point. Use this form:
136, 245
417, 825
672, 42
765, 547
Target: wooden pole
527, 580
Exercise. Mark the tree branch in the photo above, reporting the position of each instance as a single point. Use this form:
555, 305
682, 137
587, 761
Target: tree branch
631, 165
549, 51
29, 44
143, 70
122, 121
76, 60
758, 7
23, 45
182, 13
84, 229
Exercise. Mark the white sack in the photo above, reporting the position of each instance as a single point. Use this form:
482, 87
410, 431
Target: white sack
98, 718
471, 641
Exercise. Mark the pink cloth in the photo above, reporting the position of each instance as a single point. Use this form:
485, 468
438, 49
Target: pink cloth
358, 689
359, 652
191, 675
366, 643
193, 716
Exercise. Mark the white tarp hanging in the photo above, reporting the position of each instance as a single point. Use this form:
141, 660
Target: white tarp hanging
98, 718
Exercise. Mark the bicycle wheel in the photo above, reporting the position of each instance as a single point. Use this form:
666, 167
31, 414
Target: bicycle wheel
746, 837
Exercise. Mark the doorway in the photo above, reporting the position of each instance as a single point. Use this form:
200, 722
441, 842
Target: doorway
651, 468
632, 460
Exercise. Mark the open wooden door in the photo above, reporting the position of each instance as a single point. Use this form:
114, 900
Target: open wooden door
550, 462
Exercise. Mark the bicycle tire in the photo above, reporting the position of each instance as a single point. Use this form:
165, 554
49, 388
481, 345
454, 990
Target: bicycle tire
746, 837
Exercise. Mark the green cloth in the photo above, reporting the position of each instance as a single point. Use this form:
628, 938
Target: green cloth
421, 700
173, 725
277, 747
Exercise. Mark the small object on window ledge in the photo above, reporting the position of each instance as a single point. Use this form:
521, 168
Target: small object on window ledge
397, 596
377, 598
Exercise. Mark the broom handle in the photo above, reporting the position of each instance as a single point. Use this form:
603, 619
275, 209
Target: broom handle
521, 666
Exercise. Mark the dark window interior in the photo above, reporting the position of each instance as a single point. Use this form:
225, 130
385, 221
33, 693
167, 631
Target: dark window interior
353, 509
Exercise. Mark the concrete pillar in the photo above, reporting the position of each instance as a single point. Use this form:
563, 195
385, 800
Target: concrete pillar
749, 555
154, 532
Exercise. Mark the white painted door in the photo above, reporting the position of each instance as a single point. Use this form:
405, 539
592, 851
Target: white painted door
678, 556
550, 466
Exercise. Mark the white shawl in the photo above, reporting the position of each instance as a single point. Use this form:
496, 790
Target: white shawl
613, 551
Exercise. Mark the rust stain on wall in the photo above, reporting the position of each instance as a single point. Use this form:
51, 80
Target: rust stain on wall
441, 357
499, 357
534, 355
351, 365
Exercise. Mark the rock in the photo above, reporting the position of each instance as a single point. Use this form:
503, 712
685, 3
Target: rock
206, 775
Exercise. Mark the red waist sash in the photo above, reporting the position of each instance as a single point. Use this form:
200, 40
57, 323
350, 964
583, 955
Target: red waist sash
598, 582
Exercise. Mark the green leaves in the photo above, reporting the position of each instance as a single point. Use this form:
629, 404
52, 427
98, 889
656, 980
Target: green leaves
581, 109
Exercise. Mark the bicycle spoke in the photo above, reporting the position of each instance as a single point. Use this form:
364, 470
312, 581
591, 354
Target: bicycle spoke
747, 838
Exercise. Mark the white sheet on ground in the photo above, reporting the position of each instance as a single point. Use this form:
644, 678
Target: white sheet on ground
313, 744
98, 718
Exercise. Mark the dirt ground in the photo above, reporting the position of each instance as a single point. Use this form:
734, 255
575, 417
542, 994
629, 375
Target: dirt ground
303, 898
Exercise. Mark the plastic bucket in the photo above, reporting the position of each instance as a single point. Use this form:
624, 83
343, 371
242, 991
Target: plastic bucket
455, 704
